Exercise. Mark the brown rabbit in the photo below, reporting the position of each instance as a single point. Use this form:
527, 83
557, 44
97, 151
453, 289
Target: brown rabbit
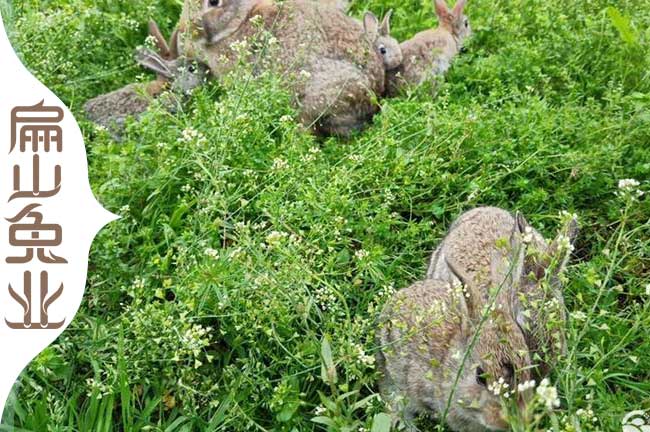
429, 53
428, 358
379, 35
331, 67
472, 241
111, 110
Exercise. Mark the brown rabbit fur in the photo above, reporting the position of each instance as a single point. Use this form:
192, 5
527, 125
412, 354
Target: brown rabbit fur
333, 70
425, 331
429, 53
473, 240
111, 110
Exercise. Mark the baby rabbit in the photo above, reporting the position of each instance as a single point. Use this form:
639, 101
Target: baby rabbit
473, 240
428, 361
379, 35
111, 110
429, 53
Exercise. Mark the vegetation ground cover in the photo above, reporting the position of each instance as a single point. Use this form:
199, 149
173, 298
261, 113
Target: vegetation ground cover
245, 242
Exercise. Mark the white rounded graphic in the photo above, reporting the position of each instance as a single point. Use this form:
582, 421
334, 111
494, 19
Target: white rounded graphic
636, 421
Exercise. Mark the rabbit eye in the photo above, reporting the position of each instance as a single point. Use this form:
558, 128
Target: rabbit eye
466, 23
480, 376
382, 50
214, 3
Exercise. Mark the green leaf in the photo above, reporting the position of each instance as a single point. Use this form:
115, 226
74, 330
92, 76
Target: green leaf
328, 370
324, 421
381, 423
623, 25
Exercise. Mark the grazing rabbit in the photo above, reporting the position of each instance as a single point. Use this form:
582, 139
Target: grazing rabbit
379, 35
472, 241
429, 53
111, 110
332, 70
427, 356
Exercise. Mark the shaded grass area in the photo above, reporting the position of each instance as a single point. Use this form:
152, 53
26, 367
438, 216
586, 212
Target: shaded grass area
245, 240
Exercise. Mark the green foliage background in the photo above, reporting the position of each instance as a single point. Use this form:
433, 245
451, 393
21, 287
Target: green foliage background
244, 240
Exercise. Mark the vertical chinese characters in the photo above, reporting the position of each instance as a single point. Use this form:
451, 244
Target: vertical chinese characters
35, 131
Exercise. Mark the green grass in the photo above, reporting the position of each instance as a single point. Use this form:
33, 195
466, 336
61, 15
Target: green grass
245, 242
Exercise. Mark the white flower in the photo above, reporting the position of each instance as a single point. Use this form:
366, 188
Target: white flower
630, 187
499, 388
280, 164
528, 235
548, 394
274, 237
361, 254
647, 290
320, 410
628, 184
527, 385
212, 253
305, 74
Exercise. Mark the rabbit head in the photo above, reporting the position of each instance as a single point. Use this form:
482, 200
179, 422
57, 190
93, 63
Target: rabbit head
218, 19
499, 358
183, 74
453, 20
379, 35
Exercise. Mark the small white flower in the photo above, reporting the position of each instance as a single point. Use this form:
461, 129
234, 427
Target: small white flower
212, 253
528, 235
320, 410
275, 237
548, 394
361, 254
630, 187
280, 164
527, 385
305, 74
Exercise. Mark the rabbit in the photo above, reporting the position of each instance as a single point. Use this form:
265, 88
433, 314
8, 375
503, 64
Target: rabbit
343, 5
426, 350
471, 242
332, 71
111, 110
379, 35
429, 53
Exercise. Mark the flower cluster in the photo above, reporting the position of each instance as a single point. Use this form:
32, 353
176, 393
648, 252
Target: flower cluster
630, 188
548, 394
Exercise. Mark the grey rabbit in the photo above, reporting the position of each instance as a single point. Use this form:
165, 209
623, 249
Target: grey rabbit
471, 242
427, 359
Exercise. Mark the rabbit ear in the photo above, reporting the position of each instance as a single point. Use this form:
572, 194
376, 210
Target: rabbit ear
370, 24
465, 299
443, 12
458, 9
163, 48
153, 61
384, 29
173, 46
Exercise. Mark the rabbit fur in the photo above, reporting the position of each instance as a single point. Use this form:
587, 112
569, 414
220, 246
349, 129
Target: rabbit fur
428, 54
472, 242
332, 69
424, 332
379, 35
